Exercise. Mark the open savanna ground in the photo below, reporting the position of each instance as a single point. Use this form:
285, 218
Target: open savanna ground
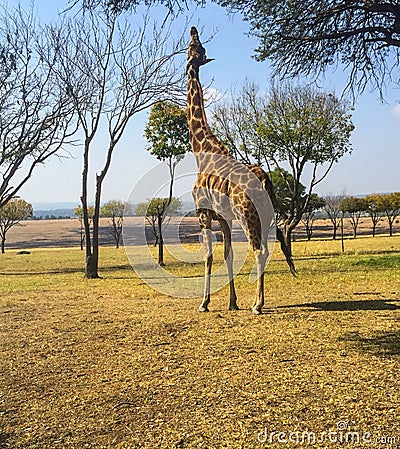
66, 232
111, 363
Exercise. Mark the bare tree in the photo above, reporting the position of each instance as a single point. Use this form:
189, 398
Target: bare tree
237, 123
111, 73
36, 114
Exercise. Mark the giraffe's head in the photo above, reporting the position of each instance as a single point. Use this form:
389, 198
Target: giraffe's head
196, 53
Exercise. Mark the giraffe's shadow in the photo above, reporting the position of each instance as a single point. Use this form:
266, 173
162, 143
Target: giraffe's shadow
346, 306
379, 343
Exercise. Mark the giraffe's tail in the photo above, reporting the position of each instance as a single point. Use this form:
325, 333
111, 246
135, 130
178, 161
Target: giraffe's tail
286, 252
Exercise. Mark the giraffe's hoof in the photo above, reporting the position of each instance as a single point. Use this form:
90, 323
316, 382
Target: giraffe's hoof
203, 309
234, 307
256, 311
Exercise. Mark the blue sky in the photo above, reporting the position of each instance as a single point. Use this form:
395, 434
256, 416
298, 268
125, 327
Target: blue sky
373, 166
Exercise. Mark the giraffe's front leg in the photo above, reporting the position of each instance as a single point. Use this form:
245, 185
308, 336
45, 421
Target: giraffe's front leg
207, 241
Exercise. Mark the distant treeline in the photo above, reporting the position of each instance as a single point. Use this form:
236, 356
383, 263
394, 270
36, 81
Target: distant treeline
53, 214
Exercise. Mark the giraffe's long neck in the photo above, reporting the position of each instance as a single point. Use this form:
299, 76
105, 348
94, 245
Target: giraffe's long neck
201, 137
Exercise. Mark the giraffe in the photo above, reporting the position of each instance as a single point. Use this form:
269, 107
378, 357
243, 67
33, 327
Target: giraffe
226, 189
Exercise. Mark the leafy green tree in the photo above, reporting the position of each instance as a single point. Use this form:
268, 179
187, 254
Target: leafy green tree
78, 212
304, 128
299, 129
283, 183
354, 207
306, 37
156, 213
315, 203
14, 211
115, 210
168, 134
389, 204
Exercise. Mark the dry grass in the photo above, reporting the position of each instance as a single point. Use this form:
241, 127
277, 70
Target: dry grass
112, 364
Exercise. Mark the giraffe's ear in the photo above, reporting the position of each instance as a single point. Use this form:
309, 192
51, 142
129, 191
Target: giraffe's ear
206, 61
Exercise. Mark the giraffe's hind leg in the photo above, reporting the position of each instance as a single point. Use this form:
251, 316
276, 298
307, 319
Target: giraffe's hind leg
261, 259
228, 256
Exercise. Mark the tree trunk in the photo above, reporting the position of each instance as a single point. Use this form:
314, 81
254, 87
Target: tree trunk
91, 268
335, 227
82, 236
115, 231
92, 263
342, 234
3, 244
354, 225
160, 241
91, 257
309, 231
390, 228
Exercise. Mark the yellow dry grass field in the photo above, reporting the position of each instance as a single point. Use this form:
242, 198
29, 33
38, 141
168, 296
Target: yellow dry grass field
111, 363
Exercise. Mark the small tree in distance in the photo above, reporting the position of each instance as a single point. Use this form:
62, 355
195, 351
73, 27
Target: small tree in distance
156, 214
315, 203
354, 207
115, 210
389, 204
332, 208
11, 214
283, 183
